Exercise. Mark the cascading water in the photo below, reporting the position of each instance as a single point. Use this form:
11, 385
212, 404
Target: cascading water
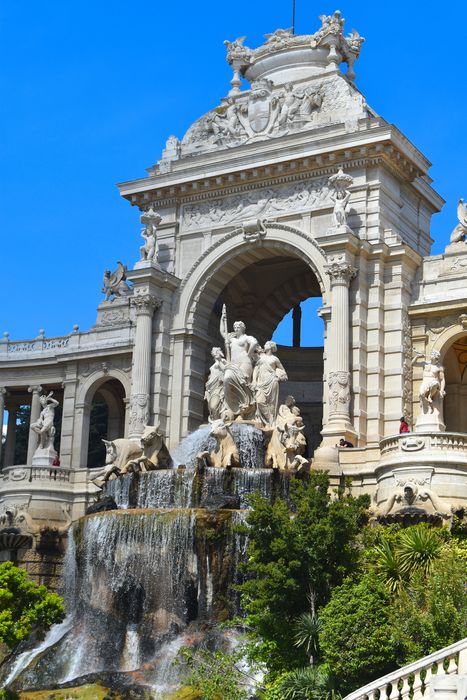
157, 574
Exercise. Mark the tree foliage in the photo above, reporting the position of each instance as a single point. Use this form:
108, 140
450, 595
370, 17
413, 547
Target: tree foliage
431, 610
214, 675
290, 556
408, 599
356, 636
24, 606
310, 683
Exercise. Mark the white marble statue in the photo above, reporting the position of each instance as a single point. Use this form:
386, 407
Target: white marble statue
431, 392
288, 441
148, 250
238, 372
44, 426
460, 232
225, 454
340, 196
214, 393
267, 374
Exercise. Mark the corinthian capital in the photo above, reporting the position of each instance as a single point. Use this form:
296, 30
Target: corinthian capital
145, 303
340, 272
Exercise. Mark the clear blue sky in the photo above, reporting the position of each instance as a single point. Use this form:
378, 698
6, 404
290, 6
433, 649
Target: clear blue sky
92, 90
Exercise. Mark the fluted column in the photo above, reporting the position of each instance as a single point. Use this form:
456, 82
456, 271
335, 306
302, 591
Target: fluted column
338, 376
144, 305
2, 410
35, 392
10, 435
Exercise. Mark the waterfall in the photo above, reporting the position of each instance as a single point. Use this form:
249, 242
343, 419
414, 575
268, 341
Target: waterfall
158, 573
185, 453
250, 443
119, 490
165, 489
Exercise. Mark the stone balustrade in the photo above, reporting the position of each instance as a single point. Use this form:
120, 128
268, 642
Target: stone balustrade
29, 474
42, 347
415, 442
414, 680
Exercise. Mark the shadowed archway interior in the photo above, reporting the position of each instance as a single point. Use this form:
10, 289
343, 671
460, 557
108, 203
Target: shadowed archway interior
260, 294
106, 419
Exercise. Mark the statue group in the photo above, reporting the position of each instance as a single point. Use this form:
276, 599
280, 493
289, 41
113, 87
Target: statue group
243, 385
244, 380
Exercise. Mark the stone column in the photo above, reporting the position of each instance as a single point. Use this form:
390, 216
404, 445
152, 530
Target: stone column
10, 436
144, 305
2, 409
35, 413
338, 376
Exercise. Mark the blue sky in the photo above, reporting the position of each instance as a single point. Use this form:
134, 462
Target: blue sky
92, 90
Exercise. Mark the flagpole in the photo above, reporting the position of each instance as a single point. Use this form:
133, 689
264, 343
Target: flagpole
293, 16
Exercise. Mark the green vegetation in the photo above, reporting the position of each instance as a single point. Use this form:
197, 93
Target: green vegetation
332, 603
213, 675
293, 563
25, 607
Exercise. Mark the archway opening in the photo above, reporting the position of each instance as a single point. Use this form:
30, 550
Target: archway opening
455, 402
106, 420
263, 293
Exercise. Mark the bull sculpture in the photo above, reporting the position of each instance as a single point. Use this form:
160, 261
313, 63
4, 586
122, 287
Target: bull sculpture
226, 452
124, 456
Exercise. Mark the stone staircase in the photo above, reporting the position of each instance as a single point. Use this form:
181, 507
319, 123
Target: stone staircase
438, 676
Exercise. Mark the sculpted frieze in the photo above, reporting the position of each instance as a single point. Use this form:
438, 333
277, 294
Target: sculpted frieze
257, 204
266, 112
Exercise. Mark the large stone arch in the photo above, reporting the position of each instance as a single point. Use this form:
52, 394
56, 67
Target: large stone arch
227, 256
87, 389
208, 277
452, 345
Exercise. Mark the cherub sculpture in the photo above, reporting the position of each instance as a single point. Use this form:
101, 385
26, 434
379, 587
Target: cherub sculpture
115, 284
148, 250
460, 232
340, 182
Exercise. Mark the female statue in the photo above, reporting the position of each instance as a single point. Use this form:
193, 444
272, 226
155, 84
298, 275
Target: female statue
238, 372
214, 393
267, 374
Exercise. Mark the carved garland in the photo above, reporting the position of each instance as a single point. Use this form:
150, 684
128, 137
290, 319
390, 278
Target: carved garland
407, 368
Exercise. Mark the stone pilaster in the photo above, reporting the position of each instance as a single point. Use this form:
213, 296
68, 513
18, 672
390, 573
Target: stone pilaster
2, 410
144, 305
338, 374
68, 416
35, 392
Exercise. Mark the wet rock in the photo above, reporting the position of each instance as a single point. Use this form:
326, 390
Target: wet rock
222, 501
106, 503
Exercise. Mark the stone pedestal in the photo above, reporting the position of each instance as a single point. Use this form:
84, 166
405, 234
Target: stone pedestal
44, 456
429, 423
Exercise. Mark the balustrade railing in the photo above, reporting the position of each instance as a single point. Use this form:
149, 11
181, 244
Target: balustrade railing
28, 473
413, 442
412, 682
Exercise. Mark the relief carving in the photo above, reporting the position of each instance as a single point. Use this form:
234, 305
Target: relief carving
339, 392
257, 204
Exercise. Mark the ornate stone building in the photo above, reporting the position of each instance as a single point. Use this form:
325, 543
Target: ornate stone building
289, 189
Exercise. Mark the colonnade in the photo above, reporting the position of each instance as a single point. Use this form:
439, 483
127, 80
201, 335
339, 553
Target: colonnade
11, 404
